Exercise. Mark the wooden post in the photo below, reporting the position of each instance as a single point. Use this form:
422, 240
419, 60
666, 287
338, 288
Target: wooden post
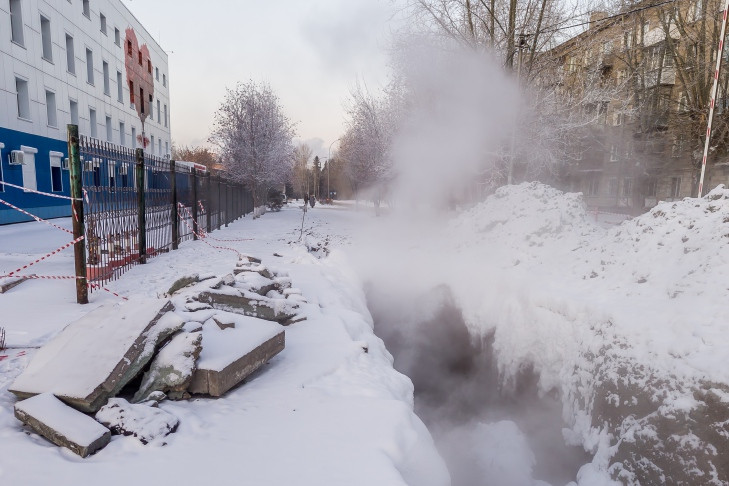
175, 218
194, 204
77, 210
141, 207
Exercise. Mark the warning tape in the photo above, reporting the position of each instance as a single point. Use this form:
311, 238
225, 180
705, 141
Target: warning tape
41, 220
49, 194
202, 235
65, 277
207, 235
46, 256
7, 356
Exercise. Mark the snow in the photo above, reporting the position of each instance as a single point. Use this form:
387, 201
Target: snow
73, 425
323, 411
150, 425
78, 360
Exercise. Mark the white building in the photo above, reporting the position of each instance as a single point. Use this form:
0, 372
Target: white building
67, 62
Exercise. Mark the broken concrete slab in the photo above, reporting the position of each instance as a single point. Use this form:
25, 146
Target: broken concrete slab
8, 283
172, 368
223, 323
94, 357
231, 355
148, 424
251, 304
249, 258
62, 425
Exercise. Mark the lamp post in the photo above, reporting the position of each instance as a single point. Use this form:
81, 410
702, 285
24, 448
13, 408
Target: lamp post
329, 161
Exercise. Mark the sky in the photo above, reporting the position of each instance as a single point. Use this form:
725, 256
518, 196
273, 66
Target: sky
311, 52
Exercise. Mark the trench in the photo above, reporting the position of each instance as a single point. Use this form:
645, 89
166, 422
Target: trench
457, 387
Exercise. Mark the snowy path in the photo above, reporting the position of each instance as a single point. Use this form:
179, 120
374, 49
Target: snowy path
330, 409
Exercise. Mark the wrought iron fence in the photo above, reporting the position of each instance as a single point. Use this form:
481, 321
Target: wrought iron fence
130, 207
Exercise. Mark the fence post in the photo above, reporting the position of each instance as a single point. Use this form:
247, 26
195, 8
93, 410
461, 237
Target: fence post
77, 209
220, 207
227, 205
195, 228
175, 219
141, 206
209, 199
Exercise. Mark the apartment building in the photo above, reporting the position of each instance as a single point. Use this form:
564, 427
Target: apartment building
641, 83
83, 62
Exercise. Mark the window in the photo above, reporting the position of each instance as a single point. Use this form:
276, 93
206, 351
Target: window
149, 66
628, 39
617, 119
612, 186
117, 37
139, 55
165, 116
30, 179
129, 48
678, 145
675, 187
86, 9
167, 149
651, 186
593, 186
119, 87
682, 102
46, 41
141, 100
23, 98
697, 10
105, 68
70, 56
73, 108
159, 146
614, 155
109, 130
156, 74
131, 92
51, 109
667, 60
159, 113
627, 187
151, 145
92, 122
111, 168
89, 66
102, 22
122, 134
134, 137
56, 179
164, 80
16, 22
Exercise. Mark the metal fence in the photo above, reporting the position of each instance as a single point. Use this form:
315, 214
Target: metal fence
137, 206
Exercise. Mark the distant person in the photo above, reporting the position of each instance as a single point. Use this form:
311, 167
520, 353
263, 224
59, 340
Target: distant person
312, 200
306, 199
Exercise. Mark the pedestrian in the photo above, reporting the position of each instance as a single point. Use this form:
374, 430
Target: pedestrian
312, 200
306, 199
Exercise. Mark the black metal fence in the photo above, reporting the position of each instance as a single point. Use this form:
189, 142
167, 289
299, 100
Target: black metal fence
137, 206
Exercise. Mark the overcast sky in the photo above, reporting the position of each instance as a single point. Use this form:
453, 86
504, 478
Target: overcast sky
310, 51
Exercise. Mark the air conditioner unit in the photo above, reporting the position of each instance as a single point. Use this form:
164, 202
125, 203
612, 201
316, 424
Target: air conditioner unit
66, 164
17, 157
89, 165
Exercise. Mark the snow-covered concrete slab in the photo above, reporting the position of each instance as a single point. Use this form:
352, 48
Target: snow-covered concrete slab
232, 354
9, 283
62, 425
94, 357
250, 304
148, 424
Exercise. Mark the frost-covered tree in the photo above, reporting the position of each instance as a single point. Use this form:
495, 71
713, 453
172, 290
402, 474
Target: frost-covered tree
300, 176
254, 137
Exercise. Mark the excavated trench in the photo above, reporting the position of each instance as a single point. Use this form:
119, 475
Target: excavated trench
457, 386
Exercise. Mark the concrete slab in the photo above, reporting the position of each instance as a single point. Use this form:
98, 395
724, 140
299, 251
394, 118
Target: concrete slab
255, 306
93, 358
146, 423
8, 283
62, 425
231, 355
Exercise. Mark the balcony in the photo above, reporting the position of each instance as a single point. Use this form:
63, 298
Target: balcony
667, 77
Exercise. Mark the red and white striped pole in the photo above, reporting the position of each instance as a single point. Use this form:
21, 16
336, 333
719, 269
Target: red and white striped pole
714, 89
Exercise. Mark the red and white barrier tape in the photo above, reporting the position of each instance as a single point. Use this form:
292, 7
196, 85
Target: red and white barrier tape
49, 194
202, 236
40, 220
46, 256
207, 235
65, 277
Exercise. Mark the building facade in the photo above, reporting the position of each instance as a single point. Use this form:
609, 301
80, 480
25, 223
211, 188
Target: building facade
83, 62
640, 83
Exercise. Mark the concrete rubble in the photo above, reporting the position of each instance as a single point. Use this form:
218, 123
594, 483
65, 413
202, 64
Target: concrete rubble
211, 335
62, 425
147, 423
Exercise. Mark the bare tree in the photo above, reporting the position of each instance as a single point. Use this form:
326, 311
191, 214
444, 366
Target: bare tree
200, 155
254, 137
300, 176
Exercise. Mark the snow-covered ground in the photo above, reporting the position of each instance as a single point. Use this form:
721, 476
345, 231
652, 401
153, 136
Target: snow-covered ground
621, 325
329, 409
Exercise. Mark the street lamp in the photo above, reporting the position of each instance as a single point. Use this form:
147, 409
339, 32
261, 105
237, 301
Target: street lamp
329, 162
